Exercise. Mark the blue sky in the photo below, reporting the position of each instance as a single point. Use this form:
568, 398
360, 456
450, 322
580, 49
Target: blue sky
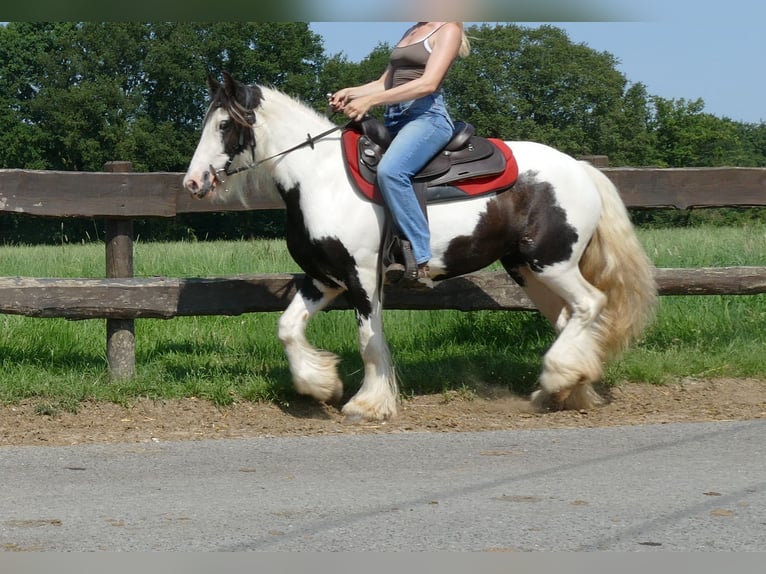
678, 49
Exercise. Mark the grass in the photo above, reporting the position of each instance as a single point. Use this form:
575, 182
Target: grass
61, 363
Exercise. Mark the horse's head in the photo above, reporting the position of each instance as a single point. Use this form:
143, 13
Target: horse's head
227, 132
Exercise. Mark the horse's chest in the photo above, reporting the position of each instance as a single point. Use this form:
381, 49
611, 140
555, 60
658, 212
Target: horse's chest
323, 256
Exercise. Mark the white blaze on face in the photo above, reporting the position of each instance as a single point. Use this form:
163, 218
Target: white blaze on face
210, 152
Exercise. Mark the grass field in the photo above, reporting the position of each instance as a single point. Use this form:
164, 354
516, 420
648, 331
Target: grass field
226, 359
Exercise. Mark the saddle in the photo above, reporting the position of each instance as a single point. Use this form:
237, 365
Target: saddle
468, 166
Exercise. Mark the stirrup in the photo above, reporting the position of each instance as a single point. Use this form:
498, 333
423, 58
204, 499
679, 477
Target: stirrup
410, 265
417, 276
421, 279
410, 274
396, 272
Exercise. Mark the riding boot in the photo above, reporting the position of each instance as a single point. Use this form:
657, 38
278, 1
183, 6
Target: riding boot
415, 276
406, 272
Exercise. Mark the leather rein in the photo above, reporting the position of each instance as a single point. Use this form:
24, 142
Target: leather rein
309, 141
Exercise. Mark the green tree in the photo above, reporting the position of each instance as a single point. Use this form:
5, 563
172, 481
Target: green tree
755, 136
626, 136
22, 48
81, 94
338, 72
74, 95
686, 136
534, 83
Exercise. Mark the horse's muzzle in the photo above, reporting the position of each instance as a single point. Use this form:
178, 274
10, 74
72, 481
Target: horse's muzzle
199, 189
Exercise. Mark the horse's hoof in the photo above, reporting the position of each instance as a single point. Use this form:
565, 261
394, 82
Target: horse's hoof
356, 413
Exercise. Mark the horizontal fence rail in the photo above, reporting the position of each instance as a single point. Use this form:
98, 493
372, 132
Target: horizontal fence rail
119, 196
138, 195
165, 297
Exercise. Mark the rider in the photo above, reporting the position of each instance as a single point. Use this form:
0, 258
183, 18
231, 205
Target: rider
410, 88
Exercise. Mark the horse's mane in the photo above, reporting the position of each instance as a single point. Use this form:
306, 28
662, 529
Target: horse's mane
292, 107
247, 98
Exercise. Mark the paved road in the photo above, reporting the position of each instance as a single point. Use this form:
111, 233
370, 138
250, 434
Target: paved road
644, 488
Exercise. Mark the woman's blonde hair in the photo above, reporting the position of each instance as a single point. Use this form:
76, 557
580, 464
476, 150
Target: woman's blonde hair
465, 44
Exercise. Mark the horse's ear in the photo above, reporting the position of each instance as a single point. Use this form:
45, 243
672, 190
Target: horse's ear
212, 84
229, 84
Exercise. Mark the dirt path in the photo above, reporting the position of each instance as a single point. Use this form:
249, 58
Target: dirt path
191, 419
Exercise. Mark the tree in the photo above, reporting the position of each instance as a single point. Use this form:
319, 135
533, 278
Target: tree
338, 72
524, 83
74, 95
81, 94
686, 136
77, 98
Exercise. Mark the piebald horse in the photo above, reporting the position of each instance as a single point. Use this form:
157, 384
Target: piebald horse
561, 231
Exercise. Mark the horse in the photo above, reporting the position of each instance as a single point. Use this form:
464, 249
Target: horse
561, 231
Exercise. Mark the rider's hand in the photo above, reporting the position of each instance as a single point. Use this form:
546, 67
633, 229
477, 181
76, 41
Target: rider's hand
338, 100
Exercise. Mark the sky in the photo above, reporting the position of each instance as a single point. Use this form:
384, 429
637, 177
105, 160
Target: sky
679, 49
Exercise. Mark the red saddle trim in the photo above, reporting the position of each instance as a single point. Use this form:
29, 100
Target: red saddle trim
349, 140
470, 186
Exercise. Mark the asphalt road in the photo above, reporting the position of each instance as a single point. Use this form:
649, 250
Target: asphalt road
644, 488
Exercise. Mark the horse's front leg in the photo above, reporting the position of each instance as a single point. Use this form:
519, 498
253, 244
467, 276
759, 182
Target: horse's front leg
314, 371
378, 396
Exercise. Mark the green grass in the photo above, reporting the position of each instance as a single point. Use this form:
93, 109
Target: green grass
61, 363
703, 336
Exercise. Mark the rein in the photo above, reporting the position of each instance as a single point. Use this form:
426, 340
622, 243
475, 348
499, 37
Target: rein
309, 141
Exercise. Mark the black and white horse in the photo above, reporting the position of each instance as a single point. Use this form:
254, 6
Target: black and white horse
562, 232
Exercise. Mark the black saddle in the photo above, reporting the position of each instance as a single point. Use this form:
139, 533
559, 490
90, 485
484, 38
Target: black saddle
466, 156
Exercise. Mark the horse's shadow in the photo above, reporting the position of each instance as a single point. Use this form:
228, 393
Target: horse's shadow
306, 408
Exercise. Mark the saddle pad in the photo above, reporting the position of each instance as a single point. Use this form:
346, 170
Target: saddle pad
470, 187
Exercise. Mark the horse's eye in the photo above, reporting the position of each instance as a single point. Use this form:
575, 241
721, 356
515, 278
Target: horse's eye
224, 125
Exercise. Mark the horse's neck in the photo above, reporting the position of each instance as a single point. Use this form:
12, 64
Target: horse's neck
284, 131
287, 122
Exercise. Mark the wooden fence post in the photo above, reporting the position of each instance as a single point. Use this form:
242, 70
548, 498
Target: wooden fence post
120, 333
598, 161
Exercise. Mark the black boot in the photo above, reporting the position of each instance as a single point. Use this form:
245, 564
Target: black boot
410, 274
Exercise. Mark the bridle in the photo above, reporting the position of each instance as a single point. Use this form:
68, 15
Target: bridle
309, 141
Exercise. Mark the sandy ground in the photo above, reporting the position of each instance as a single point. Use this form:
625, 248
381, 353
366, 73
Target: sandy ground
193, 419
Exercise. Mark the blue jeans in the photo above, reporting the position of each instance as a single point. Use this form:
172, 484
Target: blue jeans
420, 129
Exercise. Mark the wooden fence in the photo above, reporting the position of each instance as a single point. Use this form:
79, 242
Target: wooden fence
119, 196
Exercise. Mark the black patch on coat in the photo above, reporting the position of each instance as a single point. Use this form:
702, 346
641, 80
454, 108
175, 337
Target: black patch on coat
309, 290
548, 237
322, 258
524, 226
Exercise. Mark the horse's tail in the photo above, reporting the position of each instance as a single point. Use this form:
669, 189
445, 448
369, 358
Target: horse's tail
616, 263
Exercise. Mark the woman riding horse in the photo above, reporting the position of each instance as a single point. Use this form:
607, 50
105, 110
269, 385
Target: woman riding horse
417, 117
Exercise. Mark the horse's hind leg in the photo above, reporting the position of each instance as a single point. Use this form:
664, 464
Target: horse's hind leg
551, 305
314, 371
575, 360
